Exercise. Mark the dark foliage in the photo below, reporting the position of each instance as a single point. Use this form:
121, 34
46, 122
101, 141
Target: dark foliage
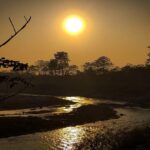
14, 65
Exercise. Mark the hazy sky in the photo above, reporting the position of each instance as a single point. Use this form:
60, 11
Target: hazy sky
119, 29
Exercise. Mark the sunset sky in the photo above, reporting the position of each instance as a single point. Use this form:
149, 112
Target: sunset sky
119, 29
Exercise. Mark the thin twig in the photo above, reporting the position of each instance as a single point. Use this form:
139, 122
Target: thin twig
25, 18
12, 24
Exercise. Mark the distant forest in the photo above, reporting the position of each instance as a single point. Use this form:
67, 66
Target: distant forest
60, 66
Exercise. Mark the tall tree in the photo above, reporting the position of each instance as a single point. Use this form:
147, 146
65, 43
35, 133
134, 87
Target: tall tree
62, 61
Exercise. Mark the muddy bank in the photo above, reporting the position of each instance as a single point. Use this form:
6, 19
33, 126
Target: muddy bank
13, 126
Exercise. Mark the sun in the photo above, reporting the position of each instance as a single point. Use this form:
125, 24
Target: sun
74, 25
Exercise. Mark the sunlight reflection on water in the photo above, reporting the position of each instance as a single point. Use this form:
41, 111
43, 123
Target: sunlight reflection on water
80, 137
76, 137
45, 111
79, 101
70, 138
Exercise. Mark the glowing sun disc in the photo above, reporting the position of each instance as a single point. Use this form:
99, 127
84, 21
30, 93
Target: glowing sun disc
74, 25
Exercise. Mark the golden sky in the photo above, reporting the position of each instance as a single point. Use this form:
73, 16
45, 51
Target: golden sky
119, 29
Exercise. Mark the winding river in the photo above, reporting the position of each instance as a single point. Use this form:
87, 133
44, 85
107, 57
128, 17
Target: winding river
72, 138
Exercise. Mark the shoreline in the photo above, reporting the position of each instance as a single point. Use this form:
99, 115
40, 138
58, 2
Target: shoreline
15, 126
21, 125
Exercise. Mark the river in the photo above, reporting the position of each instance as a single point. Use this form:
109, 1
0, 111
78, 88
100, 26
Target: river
74, 137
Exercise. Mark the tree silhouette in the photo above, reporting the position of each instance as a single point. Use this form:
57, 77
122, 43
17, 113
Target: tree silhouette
101, 65
62, 62
89, 68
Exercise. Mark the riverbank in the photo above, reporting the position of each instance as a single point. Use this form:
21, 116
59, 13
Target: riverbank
27, 122
127, 87
13, 126
130, 87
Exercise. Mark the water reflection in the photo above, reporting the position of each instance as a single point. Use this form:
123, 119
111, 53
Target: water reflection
79, 101
51, 110
70, 138
77, 137
45, 111
80, 137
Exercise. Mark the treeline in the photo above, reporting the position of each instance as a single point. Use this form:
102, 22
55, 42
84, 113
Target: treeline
60, 66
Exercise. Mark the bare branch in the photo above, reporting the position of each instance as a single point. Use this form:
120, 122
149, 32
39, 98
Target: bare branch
16, 32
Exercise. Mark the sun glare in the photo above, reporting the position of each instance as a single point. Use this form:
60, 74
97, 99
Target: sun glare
74, 25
